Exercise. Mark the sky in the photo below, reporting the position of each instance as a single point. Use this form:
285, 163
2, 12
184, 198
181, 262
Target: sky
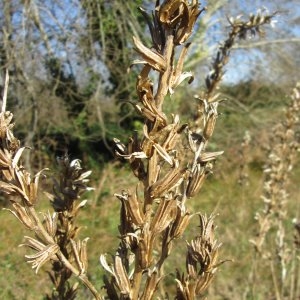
242, 63
63, 20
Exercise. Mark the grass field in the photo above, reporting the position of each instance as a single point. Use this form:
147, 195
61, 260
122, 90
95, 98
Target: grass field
234, 204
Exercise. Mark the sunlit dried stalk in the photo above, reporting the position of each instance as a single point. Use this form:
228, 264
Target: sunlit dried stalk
54, 234
297, 235
295, 266
284, 146
243, 179
170, 161
240, 29
64, 199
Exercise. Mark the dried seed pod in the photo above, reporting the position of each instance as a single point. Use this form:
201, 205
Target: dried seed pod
151, 285
121, 276
210, 125
22, 215
190, 16
167, 183
163, 154
5, 158
170, 12
134, 211
151, 57
42, 256
181, 222
144, 255
146, 113
51, 223
196, 181
203, 283
80, 254
163, 216
206, 157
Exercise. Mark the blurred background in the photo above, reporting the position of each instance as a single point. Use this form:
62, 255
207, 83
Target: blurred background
69, 89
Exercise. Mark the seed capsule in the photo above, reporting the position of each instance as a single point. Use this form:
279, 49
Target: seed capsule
210, 125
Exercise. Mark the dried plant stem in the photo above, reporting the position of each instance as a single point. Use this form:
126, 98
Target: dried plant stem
5, 89
40, 229
168, 175
39, 226
277, 289
82, 277
136, 280
284, 147
169, 160
16, 181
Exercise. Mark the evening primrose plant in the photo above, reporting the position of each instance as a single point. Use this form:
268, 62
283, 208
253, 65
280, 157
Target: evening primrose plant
169, 158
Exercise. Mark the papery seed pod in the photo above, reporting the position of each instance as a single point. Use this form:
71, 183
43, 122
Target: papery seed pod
151, 285
83, 253
8, 174
147, 143
162, 217
180, 224
121, 276
206, 157
135, 213
22, 215
178, 76
76, 252
146, 96
196, 181
210, 125
191, 267
147, 147
162, 186
143, 254
5, 158
125, 224
203, 283
146, 113
170, 12
17, 157
79, 206
153, 169
171, 140
10, 189
151, 58
80, 254
190, 16
33, 243
41, 257
164, 154
106, 266
51, 223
